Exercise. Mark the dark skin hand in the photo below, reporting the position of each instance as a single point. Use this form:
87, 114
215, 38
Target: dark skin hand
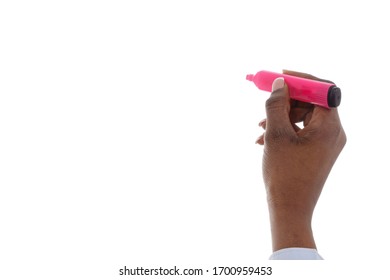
296, 162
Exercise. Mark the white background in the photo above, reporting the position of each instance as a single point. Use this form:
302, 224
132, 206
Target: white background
127, 133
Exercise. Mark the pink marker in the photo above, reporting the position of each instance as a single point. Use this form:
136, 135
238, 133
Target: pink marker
319, 93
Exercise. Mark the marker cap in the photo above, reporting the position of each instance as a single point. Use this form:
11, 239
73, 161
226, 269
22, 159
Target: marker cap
334, 96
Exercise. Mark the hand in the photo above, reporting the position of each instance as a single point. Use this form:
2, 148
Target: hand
296, 162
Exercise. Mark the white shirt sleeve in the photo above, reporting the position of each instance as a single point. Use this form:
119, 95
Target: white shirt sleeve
296, 254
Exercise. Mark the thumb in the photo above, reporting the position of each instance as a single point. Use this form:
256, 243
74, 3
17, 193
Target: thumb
278, 108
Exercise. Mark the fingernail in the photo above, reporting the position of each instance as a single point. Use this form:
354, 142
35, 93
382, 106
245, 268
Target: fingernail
262, 121
258, 139
278, 83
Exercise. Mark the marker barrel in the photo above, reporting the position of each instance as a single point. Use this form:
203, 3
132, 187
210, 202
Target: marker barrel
320, 93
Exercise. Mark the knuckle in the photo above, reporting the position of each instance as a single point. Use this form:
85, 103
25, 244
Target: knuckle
342, 138
272, 136
274, 101
278, 135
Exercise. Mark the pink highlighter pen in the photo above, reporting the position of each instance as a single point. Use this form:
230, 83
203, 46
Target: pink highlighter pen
319, 93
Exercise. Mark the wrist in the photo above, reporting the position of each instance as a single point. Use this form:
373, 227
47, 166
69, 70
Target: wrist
290, 229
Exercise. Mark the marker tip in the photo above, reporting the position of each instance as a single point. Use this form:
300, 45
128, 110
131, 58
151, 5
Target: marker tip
249, 77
